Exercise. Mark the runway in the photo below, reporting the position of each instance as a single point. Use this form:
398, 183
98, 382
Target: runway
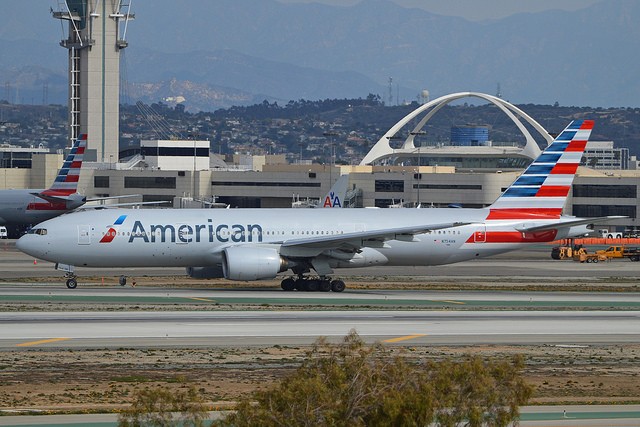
225, 328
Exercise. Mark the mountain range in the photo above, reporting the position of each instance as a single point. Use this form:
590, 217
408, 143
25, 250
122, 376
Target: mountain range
240, 52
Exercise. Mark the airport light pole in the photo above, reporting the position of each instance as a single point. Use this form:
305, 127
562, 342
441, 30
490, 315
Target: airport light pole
418, 174
331, 134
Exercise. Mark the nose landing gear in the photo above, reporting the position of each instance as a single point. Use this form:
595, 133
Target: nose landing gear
69, 274
72, 281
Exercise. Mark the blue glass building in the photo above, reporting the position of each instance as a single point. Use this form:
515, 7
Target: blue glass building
470, 135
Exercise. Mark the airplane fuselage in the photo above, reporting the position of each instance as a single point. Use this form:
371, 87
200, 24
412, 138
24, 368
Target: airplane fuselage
197, 237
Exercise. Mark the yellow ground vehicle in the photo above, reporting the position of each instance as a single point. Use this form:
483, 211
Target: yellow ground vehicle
567, 252
588, 258
579, 253
620, 251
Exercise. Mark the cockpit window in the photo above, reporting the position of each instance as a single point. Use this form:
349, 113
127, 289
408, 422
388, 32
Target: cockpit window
39, 231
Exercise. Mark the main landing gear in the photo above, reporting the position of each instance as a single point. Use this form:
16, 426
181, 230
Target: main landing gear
312, 284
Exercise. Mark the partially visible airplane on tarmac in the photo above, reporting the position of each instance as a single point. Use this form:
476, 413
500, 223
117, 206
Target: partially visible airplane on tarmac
24, 207
254, 244
335, 198
31, 206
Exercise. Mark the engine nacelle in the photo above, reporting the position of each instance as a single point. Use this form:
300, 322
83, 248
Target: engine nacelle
205, 272
252, 263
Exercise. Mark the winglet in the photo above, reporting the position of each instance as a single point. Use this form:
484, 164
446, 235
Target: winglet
541, 191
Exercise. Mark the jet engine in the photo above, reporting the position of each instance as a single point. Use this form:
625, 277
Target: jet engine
205, 272
252, 263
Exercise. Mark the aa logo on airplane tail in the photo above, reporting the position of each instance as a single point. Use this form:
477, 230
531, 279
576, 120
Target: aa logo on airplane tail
332, 200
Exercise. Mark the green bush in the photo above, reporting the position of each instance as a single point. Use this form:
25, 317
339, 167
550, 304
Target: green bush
354, 384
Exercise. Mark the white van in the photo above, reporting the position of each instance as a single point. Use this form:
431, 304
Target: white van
3, 232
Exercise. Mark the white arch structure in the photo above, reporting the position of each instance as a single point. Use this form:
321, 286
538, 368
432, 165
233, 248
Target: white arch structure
383, 149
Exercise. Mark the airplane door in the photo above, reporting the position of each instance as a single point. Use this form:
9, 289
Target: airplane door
84, 234
480, 235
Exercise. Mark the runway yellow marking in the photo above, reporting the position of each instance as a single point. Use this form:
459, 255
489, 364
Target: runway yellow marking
203, 299
31, 343
404, 338
454, 302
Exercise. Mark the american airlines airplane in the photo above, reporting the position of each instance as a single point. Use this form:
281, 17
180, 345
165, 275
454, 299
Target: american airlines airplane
254, 244
30, 206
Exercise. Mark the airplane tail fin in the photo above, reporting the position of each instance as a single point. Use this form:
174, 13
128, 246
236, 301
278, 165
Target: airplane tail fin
66, 183
541, 191
336, 195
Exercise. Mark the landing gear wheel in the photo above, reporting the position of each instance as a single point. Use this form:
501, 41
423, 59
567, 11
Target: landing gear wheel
313, 285
288, 285
338, 286
325, 285
122, 280
72, 283
301, 285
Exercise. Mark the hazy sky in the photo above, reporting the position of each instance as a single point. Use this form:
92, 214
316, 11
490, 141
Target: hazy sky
474, 10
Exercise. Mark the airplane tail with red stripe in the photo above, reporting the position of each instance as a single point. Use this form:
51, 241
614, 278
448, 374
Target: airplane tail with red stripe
66, 183
541, 191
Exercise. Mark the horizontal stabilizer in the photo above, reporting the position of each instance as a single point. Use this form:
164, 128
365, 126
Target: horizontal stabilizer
52, 198
569, 223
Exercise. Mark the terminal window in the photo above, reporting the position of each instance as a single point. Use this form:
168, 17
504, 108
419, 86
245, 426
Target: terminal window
606, 191
150, 182
389, 186
101, 182
588, 211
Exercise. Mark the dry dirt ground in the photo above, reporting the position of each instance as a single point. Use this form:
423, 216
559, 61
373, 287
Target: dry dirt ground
105, 379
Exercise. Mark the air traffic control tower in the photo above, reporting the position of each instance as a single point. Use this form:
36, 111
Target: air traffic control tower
97, 30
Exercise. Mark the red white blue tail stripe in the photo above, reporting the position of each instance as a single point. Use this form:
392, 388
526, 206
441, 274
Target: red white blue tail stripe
541, 191
66, 182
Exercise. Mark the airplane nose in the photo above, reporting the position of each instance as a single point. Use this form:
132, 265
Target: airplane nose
27, 245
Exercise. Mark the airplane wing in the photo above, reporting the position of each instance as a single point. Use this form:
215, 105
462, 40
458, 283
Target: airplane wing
355, 240
98, 199
571, 223
119, 205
